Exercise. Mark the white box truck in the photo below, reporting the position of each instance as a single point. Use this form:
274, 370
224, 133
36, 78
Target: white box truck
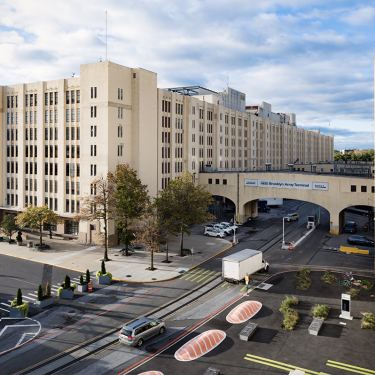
236, 266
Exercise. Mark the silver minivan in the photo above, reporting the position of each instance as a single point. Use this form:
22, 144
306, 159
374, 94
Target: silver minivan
142, 329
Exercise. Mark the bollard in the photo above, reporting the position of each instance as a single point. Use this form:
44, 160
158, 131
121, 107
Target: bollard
89, 286
291, 246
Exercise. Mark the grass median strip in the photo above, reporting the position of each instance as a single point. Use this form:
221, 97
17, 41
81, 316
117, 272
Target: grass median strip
351, 368
270, 362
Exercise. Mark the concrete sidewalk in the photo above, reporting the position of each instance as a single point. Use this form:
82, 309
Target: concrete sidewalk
70, 255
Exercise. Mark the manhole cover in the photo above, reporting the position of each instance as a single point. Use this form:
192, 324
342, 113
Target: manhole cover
153, 279
128, 275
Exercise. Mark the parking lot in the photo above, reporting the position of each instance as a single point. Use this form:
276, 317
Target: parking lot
341, 343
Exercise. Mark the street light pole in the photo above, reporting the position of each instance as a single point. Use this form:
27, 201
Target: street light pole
40, 229
192, 256
283, 243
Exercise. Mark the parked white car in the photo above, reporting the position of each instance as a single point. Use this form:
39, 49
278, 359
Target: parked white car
291, 217
223, 228
214, 232
232, 226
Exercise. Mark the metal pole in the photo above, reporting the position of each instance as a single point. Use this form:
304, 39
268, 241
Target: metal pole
192, 256
283, 244
234, 230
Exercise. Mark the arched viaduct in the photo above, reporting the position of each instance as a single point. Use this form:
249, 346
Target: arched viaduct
334, 193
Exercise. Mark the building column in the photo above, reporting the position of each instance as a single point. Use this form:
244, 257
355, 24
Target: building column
337, 222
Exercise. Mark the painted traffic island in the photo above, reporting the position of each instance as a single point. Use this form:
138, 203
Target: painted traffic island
311, 346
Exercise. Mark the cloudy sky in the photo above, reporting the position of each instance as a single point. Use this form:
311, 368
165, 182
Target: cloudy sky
315, 59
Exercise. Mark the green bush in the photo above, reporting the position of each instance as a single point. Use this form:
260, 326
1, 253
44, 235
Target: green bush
303, 283
48, 289
368, 321
19, 297
23, 306
320, 311
99, 273
59, 291
354, 293
288, 303
67, 282
291, 316
367, 284
328, 277
103, 268
19, 236
87, 276
40, 293
81, 280
303, 272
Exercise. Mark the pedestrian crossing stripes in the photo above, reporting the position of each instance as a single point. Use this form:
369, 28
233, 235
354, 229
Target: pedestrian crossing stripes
202, 275
280, 365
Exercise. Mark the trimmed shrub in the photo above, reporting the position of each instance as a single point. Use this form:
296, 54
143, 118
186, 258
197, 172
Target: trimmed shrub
288, 303
303, 272
19, 297
40, 293
48, 289
103, 268
328, 277
87, 276
320, 311
81, 279
368, 321
67, 282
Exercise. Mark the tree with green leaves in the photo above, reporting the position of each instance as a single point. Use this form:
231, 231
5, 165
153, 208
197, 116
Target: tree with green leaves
9, 226
150, 231
35, 216
99, 206
19, 297
67, 282
87, 276
40, 293
131, 199
184, 203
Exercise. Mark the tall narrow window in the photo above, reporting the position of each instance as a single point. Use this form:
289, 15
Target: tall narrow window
67, 97
78, 97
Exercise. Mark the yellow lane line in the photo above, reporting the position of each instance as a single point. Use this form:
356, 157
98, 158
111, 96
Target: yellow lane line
347, 369
269, 364
243, 288
358, 368
224, 284
199, 275
205, 276
102, 351
285, 364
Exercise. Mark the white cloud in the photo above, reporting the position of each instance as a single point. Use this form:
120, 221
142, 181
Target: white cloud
276, 51
362, 16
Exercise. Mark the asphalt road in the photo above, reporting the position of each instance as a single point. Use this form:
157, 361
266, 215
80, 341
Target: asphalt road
71, 323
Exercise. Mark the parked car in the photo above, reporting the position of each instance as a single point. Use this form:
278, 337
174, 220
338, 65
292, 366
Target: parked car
350, 227
140, 330
354, 239
292, 217
226, 230
230, 225
208, 226
214, 232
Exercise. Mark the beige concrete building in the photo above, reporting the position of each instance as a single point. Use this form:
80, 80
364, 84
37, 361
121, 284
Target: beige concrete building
57, 136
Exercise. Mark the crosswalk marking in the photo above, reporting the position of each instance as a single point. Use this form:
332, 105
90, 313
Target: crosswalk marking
224, 284
204, 276
349, 367
28, 297
5, 304
34, 295
243, 288
191, 274
199, 275
270, 362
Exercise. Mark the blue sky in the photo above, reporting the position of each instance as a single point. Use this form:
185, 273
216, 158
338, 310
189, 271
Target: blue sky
315, 60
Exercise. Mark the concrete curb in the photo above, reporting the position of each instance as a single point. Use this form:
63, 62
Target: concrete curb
174, 277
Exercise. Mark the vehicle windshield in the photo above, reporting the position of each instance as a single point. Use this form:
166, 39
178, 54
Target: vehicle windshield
349, 224
126, 332
290, 215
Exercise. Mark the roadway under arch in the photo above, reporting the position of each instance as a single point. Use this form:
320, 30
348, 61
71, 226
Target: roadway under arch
333, 192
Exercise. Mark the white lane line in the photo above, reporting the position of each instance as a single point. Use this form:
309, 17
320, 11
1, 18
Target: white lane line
5, 304
55, 289
32, 298
10, 301
34, 295
4, 309
76, 279
21, 339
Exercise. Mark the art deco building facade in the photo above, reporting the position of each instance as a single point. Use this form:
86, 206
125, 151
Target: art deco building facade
57, 136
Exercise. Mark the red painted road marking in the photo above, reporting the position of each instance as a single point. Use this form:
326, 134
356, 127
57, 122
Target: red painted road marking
243, 312
152, 373
200, 345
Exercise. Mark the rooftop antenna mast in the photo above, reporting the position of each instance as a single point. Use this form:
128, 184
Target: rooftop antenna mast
106, 36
